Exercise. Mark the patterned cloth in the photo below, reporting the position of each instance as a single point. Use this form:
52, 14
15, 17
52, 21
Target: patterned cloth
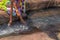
14, 11
22, 4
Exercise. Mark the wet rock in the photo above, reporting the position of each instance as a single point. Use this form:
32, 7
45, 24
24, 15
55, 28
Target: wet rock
40, 4
47, 20
4, 17
36, 4
15, 28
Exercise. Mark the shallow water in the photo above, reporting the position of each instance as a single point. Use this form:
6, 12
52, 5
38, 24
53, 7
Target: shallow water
41, 22
16, 28
48, 19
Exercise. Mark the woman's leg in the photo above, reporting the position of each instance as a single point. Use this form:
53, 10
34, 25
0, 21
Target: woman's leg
18, 13
11, 11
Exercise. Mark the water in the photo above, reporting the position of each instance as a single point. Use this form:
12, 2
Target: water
15, 28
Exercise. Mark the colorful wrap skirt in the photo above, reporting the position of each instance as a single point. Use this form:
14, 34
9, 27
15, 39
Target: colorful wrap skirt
14, 11
20, 8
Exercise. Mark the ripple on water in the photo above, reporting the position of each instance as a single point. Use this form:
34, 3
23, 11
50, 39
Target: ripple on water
15, 28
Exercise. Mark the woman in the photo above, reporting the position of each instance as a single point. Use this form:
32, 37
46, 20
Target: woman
16, 5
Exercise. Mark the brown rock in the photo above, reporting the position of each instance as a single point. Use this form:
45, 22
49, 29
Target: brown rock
48, 20
36, 4
3, 17
39, 4
33, 36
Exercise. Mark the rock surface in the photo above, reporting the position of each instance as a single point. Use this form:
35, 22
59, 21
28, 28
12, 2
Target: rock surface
4, 17
36, 4
39, 4
48, 20
33, 36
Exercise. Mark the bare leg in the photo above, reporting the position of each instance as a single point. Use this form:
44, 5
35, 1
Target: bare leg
11, 11
20, 17
18, 13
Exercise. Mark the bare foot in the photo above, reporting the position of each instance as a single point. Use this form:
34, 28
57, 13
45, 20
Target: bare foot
10, 22
24, 22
